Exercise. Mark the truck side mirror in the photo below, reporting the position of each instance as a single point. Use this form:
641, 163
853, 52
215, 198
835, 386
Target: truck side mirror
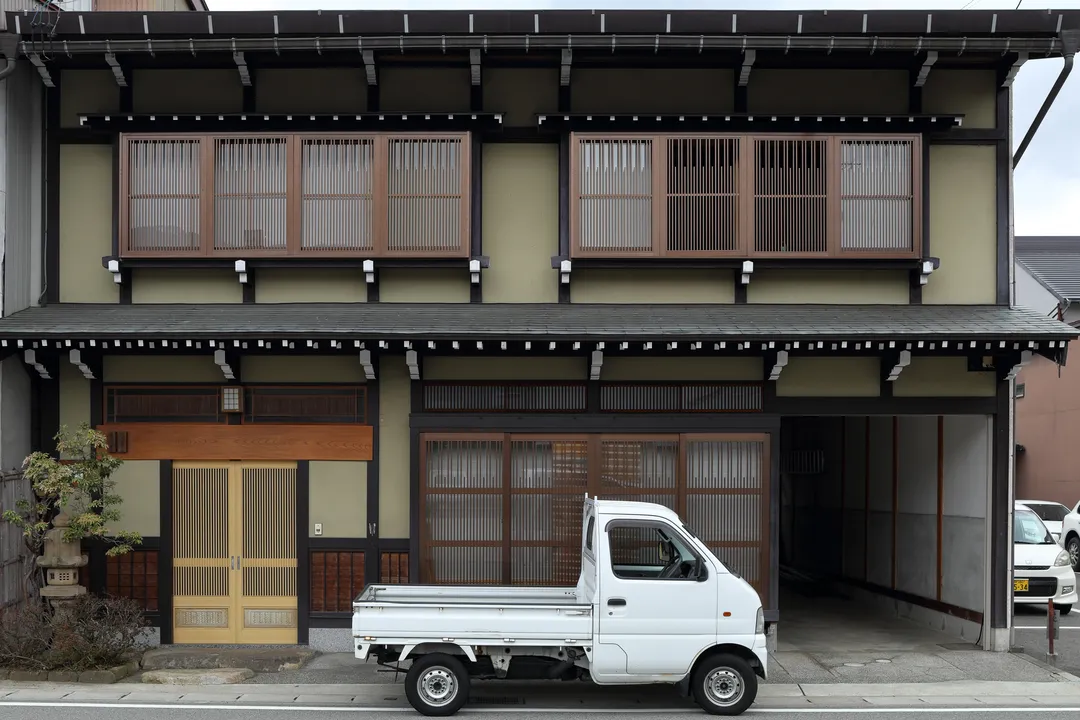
702, 574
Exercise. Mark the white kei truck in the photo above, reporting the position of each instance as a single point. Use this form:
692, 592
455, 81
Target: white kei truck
681, 618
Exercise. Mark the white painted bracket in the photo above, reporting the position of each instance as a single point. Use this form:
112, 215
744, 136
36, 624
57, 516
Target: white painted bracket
1025, 359
221, 362
75, 356
901, 363
117, 71
925, 271
924, 71
369, 67
365, 362
747, 271
414, 365
749, 55
597, 364
30, 357
474, 66
564, 272
474, 272
242, 67
564, 66
369, 271
779, 365
241, 270
114, 268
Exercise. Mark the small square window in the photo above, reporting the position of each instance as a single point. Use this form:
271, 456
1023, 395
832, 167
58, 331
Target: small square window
1020, 390
230, 399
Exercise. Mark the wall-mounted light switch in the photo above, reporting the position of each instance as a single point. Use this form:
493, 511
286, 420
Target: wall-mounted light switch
318, 528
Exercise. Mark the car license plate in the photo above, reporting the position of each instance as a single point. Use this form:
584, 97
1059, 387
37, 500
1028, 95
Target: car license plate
1020, 585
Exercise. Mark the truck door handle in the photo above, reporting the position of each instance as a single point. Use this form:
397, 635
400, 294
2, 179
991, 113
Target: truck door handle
616, 601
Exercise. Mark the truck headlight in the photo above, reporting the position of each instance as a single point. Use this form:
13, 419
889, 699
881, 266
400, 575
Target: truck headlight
759, 624
1063, 559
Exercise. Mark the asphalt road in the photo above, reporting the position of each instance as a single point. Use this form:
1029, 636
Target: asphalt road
1030, 624
202, 713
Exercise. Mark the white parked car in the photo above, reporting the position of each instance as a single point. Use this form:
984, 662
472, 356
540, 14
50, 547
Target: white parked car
1042, 571
1051, 513
653, 605
1070, 536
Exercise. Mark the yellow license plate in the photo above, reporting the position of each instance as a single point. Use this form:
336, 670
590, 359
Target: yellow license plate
1020, 585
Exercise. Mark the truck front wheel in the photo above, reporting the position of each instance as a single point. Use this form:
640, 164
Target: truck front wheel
437, 685
724, 685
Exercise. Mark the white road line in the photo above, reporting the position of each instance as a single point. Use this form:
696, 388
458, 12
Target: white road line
1042, 709
1043, 627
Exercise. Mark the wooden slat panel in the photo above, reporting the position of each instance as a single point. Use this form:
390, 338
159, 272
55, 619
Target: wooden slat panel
251, 180
702, 195
877, 195
680, 397
337, 577
134, 575
161, 196
201, 539
154, 404
269, 532
337, 177
791, 196
196, 441
613, 192
394, 567
504, 397
427, 196
305, 405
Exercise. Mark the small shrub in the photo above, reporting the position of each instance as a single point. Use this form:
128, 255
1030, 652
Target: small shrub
26, 634
97, 632
92, 633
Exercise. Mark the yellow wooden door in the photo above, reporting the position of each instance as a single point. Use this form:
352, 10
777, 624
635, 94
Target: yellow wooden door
234, 553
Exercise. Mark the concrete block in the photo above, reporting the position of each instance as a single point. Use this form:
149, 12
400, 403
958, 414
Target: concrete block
64, 676
219, 676
29, 675
100, 677
4, 674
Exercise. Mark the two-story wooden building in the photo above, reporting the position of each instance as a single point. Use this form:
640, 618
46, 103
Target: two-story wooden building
380, 296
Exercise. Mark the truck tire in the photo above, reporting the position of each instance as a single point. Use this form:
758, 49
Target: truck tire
724, 685
437, 685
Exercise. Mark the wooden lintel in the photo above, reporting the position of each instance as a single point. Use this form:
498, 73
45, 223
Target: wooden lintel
214, 441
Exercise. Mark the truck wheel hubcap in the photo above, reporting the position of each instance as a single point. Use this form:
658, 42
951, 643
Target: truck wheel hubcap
724, 686
437, 686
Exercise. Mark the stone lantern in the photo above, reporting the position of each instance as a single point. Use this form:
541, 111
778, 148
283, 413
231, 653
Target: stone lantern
61, 560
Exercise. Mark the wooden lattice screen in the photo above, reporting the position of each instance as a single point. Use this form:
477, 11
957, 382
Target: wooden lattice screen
506, 509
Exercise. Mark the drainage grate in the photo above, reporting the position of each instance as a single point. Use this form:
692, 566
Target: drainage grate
496, 701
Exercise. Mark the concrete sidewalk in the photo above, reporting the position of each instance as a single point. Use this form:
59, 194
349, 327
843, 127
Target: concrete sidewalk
548, 695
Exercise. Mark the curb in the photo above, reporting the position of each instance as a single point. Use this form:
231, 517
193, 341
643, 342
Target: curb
1065, 676
91, 677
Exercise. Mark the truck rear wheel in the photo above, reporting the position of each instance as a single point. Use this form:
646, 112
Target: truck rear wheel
724, 685
437, 685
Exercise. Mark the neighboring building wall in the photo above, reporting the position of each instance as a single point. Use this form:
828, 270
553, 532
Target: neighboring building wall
20, 235
1047, 419
1032, 294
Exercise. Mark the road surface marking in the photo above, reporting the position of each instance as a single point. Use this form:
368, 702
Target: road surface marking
1043, 627
575, 710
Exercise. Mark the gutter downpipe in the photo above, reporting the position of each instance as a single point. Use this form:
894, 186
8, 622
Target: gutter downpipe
1069, 41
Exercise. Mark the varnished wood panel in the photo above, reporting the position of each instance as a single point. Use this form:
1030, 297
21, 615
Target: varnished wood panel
196, 441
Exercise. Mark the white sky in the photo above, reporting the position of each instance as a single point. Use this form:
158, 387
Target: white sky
1047, 183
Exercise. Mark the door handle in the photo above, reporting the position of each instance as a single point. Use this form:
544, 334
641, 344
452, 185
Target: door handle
616, 601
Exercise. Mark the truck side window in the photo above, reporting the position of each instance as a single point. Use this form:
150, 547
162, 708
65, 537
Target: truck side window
644, 551
590, 533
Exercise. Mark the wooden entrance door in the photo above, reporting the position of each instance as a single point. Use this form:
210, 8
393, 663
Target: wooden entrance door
234, 553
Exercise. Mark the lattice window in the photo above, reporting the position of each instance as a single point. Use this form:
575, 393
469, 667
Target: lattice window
133, 575
504, 397
791, 198
877, 195
427, 196
305, 405
337, 577
338, 194
163, 199
680, 397
394, 568
125, 404
251, 198
615, 196
702, 195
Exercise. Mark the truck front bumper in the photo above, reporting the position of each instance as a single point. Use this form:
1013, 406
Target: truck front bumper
762, 652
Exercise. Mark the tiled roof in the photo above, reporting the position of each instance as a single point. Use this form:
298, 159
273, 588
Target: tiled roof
525, 321
1053, 260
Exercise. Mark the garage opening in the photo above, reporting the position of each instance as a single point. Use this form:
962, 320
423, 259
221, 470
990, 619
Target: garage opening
883, 538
